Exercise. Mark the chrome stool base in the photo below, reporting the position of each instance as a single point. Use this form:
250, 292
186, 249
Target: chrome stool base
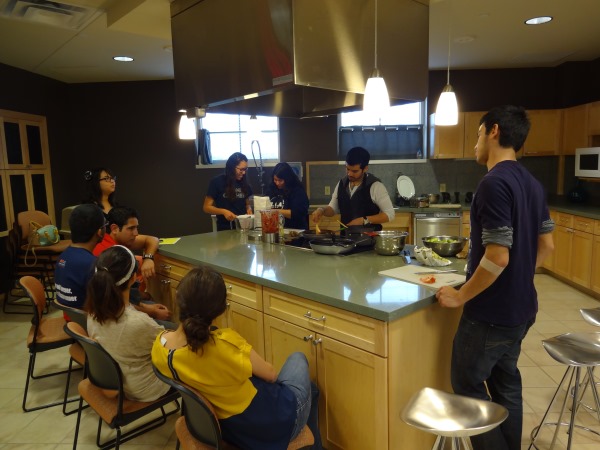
458, 443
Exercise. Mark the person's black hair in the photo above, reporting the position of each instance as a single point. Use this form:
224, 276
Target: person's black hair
92, 183
513, 124
358, 155
201, 297
104, 301
284, 172
120, 215
85, 221
230, 178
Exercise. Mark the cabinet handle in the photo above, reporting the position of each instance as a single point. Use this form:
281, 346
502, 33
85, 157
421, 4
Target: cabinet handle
165, 266
310, 337
309, 316
317, 342
228, 304
165, 281
229, 287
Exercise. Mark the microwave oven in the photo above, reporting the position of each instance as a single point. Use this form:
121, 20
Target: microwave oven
587, 162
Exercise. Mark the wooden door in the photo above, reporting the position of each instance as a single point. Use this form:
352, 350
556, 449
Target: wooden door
549, 261
353, 410
563, 238
471, 129
248, 322
595, 279
545, 132
575, 129
581, 258
447, 141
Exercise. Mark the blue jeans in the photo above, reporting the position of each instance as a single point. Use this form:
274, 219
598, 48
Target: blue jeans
294, 374
485, 354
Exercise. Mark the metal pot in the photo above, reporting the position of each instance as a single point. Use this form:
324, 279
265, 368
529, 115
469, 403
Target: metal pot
433, 198
419, 202
390, 243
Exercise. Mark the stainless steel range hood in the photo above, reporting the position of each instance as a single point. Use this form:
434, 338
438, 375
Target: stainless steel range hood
296, 58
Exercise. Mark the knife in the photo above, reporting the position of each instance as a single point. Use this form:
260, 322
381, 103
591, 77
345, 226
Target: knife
436, 272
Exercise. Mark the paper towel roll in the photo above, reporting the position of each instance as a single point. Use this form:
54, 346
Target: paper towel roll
260, 203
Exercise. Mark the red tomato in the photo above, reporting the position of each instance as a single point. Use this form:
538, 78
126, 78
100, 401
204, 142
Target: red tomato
429, 279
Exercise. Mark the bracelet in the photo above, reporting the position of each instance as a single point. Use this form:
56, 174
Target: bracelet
148, 256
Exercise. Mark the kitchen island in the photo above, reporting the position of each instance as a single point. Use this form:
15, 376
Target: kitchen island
371, 341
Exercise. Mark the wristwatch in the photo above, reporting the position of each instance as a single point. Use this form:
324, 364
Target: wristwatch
147, 256
366, 221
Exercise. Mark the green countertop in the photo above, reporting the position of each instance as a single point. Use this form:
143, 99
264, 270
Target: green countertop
350, 282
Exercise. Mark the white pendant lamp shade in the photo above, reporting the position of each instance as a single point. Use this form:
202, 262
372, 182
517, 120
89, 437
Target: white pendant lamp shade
377, 100
446, 112
187, 127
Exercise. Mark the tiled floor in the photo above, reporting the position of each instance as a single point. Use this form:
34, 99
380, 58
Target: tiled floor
49, 429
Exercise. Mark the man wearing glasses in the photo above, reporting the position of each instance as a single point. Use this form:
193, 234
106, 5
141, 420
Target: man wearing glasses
75, 265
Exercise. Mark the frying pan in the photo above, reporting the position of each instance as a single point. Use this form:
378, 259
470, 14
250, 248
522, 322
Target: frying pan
327, 246
308, 235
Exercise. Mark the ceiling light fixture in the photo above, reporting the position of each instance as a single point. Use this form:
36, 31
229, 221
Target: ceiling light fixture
187, 127
123, 58
446, 112
539, 20
376, 100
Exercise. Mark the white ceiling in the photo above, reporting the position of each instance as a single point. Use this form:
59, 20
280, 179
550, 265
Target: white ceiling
141, 28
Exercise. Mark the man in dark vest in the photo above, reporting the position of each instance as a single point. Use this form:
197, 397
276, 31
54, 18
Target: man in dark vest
359, 197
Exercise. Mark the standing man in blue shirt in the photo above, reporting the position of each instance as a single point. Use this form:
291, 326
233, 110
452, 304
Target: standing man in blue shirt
510, 237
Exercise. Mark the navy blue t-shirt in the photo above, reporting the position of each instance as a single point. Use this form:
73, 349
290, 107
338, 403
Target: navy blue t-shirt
507, 196
296, 201
216, 190
74, 268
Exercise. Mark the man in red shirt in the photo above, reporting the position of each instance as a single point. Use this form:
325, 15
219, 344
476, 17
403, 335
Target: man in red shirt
122, 229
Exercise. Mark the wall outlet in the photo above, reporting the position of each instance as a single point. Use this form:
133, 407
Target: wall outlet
327, 190
442, 187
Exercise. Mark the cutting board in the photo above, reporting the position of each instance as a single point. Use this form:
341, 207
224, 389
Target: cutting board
407, 273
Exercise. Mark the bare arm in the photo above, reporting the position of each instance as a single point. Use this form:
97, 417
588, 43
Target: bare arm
545, 247
319, 212
210, 208
261, 368
479, 282
148, 245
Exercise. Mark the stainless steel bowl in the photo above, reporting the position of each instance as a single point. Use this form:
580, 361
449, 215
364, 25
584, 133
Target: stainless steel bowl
332, 246
451, 248
389, 243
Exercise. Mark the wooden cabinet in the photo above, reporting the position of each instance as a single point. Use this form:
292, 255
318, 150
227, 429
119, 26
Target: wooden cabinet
447, 141
465, 227
594, 118
402, 222
595, 279
24, 167
545, 133
574, 129
472, 120
549, 261
343, 350
326, 223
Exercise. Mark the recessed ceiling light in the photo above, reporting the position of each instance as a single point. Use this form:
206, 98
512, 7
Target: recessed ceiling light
123, 58
538, 20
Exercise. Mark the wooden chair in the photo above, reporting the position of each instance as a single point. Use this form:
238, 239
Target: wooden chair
103, 391
45, 334
199, 429
76, 352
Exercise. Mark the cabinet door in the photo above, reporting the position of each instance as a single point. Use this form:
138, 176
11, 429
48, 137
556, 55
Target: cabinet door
594, 118
563, 238
465, 228
447, 141
283, 338
595, 280
353, 409
326, 223
545, 132
29, 190
581, 258
401, 222
243, 292
575, 129
471, 130
25, 142
5, 213
549, 261
248, 323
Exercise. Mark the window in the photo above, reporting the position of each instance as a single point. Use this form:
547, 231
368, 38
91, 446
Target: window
230, 133
397, 135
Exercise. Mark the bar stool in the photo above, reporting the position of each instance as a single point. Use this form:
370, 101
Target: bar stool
591, 316
578, 351
452, 416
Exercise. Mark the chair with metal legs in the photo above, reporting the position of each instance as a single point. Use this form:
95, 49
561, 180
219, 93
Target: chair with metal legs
580, 352
452, 416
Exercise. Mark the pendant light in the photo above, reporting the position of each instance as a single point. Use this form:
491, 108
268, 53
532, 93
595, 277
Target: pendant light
187, 127
376, 100
446, 112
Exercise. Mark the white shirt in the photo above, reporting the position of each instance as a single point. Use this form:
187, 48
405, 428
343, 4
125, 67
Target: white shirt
379, 195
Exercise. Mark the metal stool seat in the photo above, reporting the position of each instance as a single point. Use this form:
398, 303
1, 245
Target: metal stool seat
578, 351
591, 316
452, 416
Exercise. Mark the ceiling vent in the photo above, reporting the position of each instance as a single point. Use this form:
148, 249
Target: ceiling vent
54, 14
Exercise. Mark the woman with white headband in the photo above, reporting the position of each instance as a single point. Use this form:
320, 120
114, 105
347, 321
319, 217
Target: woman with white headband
125, 333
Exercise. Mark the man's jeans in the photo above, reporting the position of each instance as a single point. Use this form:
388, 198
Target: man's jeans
487, 354
294, 374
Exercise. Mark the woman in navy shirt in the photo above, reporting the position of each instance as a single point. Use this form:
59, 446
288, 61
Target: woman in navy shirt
286, 192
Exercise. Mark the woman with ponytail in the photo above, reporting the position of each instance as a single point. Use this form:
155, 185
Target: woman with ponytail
125, 333
256, 407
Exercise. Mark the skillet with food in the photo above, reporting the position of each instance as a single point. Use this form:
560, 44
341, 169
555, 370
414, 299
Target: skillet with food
310, 235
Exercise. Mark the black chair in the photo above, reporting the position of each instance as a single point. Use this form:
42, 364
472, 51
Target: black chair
46, 333
199, 427
104, 377
76, 352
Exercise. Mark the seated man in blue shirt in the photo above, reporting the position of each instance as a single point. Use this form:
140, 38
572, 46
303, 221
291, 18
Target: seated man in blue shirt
75, 265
